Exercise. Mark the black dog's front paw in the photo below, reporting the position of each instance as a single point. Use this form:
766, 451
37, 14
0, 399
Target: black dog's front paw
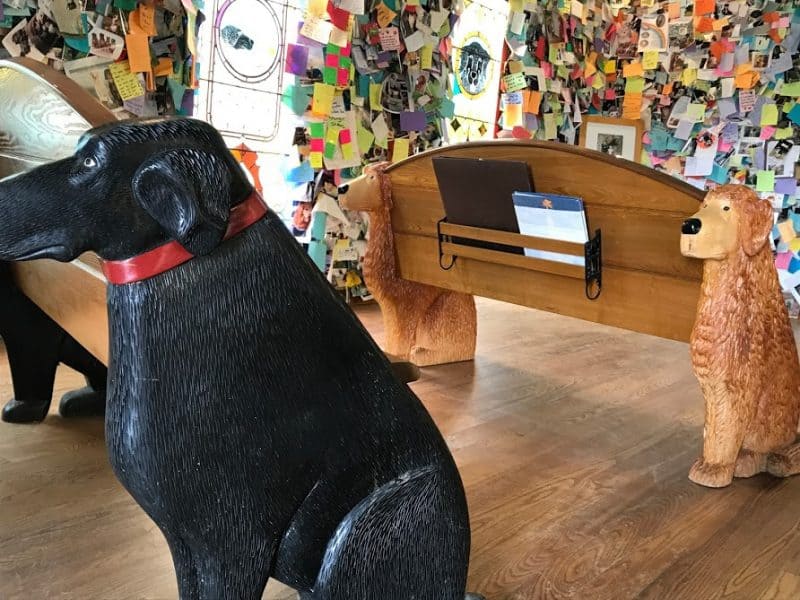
16, 411
85, 402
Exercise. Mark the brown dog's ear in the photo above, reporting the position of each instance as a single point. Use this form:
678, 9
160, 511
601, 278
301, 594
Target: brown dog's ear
188, 193
755, 223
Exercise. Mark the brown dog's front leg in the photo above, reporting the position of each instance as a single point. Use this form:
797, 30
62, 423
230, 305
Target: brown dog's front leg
722, 439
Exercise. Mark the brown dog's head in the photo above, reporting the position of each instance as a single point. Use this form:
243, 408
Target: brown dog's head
365, 193
731, 217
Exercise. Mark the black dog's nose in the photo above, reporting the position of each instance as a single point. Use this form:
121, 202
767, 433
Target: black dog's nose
691, 226
343, 189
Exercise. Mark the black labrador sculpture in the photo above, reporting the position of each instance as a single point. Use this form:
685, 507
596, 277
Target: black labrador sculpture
35, 345
249, 412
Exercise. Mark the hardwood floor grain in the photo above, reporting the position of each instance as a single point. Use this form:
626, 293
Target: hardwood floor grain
573, 439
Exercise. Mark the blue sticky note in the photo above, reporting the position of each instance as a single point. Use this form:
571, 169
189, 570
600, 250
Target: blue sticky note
719, 174
81, 44
447, 108
794, 114
318, 221
786, 185
302, 173
794, 265
659, 139
176, 90
317, 251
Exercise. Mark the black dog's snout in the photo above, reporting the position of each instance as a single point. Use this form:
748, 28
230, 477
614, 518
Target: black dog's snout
343, 189
691, 226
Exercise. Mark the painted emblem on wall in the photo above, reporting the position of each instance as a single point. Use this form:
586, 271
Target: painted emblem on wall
474, 66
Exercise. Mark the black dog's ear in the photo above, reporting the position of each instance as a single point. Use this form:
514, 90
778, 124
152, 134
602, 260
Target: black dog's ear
188, 192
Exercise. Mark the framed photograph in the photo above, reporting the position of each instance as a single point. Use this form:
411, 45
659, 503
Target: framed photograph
618, 137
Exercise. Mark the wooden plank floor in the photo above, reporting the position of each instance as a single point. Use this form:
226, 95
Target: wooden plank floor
573, 440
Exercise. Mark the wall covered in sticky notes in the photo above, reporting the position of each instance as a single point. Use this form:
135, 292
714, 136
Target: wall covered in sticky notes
366, 81
134, 57
716, 84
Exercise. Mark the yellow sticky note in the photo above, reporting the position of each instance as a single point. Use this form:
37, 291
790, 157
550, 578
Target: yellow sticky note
633, 70
688, 76
650, 59
426, 57
317, 7
769, 114
634, 84
512, 117
315, 158
784, 133
785, 228
794, 245
375, 96
696, 111
322, 102
791, 89
400, 149
128, 84
332, 135
610, 67
385, 15
550, 126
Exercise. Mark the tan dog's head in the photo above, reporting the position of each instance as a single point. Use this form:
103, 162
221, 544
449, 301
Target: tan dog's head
364, 193
731, 217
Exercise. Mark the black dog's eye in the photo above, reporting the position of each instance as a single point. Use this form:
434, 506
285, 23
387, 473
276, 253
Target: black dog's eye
726, 208
89, 162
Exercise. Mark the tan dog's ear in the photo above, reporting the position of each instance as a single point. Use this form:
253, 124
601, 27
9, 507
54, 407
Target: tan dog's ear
755, 223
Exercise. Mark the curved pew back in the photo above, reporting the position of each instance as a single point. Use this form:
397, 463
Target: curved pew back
44, 114
648, 286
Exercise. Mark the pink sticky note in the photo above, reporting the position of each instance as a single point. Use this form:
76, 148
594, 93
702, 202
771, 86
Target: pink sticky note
766, 132
782, 260
344, 136
342, 77
331, 60
548, 70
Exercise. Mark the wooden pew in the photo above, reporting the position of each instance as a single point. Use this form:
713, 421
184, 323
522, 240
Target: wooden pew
44, 114
647, 285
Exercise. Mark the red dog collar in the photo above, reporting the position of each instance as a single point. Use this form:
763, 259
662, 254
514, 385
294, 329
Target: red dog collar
170, 255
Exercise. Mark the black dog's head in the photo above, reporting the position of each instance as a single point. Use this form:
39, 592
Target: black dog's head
130, 186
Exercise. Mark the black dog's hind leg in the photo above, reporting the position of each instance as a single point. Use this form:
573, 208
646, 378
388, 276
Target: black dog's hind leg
35, 345
408, 539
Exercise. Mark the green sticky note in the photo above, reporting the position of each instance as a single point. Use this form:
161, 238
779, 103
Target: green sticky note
790, 89
769, 114
316, 130
365, 139
296, 98
125, 4
447, 108
329, 75
634, 85
765, 181
784, 133
696, 111
550, 126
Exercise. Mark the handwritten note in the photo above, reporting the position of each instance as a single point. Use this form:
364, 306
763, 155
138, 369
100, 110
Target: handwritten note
316, 29
127, 83
390, 38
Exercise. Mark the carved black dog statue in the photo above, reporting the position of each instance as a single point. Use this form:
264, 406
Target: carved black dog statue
35, 345
249, 412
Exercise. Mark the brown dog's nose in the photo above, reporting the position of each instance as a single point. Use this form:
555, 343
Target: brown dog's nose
343, 189
691, 226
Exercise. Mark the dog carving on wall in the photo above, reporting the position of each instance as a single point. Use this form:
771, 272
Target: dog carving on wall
742, 346
424, 324
336, 483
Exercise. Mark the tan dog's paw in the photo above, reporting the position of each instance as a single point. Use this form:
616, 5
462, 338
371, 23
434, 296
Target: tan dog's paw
750, 463
711, 475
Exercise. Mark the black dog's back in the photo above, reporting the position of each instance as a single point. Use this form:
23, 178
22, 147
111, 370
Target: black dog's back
251, 348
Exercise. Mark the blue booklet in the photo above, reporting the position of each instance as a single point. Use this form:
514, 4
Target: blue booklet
553, 217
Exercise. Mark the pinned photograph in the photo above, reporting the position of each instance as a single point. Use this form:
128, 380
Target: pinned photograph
760, 60
105, 43
609, 143
17, 42
621, 138
654, 34
681, 33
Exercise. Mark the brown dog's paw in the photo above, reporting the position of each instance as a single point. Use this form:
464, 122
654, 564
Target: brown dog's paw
750, 463
711, 475
784, 463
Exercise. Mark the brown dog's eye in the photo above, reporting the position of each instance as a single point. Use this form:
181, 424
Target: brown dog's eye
726, 208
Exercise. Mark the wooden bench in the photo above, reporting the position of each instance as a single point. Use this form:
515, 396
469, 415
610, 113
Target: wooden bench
647, 285
44, 115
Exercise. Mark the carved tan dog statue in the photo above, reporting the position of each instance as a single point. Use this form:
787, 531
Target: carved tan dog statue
424, 324
742, 347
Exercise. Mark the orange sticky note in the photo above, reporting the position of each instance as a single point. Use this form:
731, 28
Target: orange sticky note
147, 19
703, 7
164, 67
674, 10
704, 25
533, 102
590, 70
138, 52
633, 70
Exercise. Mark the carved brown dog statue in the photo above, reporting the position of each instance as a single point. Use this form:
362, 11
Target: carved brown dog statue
742, 346
424, 324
